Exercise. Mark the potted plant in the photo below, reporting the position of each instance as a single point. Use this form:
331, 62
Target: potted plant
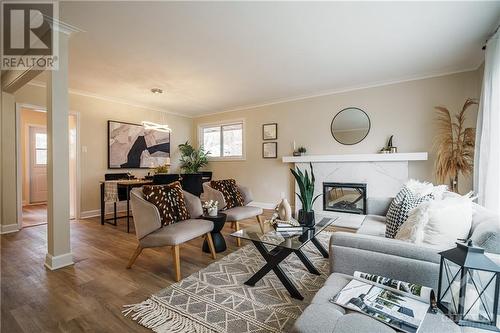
306, 187
211, 207
162, 169
454, 144
302, 151
191, 161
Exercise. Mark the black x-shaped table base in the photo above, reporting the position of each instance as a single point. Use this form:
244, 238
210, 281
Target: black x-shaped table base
277, 255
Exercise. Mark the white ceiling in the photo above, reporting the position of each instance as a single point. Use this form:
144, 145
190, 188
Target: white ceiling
212, 57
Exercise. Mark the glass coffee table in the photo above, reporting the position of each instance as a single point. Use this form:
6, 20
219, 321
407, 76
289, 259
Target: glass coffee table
284, 244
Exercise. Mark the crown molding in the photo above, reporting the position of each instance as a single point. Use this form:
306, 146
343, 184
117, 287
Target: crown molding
110, 99
337, 91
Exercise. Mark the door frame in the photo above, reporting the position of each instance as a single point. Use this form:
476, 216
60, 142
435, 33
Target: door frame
28, 159
19, 180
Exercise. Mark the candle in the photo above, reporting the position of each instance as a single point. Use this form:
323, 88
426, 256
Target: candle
293, 145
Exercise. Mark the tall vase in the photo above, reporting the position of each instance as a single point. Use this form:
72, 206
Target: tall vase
284, 210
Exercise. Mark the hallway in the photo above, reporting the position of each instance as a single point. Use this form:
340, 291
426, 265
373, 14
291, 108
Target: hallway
34, 215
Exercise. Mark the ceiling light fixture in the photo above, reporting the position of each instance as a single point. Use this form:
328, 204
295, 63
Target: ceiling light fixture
157, 127
157, 91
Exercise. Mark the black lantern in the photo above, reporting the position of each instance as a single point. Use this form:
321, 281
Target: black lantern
469, 284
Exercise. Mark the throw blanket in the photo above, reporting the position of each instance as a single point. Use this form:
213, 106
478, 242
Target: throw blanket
111, 191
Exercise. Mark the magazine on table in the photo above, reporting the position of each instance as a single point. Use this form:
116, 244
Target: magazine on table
401, 305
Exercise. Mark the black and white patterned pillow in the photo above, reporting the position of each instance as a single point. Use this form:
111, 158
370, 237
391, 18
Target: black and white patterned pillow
400, 206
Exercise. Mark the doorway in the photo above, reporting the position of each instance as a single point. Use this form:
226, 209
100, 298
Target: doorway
37, 181
32, 165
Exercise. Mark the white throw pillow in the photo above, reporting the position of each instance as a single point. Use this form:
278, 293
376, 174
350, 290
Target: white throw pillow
438, 223
412, 194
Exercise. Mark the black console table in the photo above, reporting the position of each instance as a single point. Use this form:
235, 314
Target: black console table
128, 185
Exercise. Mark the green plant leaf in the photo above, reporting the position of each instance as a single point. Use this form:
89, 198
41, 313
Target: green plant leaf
300, 198
192, 159
314, 200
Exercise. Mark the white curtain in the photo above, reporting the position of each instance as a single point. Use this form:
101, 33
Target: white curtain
487, 153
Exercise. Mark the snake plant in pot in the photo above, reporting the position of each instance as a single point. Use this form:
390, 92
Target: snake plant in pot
306, 196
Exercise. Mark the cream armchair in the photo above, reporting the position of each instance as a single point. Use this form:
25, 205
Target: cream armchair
151, 234
235, 214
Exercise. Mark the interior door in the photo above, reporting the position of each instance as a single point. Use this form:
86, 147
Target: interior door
38, 164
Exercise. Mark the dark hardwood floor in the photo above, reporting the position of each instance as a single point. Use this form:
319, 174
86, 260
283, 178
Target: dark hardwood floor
88, 296
34, 215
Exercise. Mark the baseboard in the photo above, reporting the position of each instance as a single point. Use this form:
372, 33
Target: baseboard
263, 205
8, 228
60, 261
121, 207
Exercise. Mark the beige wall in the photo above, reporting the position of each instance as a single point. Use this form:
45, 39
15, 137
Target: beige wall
8, 162
28, 117
94, 114
403, 109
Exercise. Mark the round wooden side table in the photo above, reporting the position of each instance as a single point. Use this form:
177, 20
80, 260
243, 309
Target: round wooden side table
219, 243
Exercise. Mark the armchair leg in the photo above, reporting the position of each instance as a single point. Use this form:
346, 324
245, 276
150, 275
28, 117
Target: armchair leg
177, 262
211, 245
236, 228
137, 251
261, 223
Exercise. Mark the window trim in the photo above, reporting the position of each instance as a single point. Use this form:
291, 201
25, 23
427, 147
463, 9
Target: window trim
221, 124
41, 149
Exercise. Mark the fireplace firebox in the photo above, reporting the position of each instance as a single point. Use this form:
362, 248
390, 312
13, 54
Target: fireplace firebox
344, 197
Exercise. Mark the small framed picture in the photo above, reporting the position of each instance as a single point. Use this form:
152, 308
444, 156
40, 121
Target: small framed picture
270, 150
270, 131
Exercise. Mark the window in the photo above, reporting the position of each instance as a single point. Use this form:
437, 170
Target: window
223, 141
40, 148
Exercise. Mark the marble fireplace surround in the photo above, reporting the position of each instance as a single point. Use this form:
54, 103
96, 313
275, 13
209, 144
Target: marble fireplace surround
384, 174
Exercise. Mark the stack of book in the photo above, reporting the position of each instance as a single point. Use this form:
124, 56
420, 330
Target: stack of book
286, 226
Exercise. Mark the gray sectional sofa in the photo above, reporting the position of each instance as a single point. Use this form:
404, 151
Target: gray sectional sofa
369, 251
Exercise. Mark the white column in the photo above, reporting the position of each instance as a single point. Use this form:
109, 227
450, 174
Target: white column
58, 226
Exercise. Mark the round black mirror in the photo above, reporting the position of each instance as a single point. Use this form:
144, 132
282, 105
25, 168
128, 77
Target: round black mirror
350, 126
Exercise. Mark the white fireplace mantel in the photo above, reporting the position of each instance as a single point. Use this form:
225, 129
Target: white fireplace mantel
383, 174
421, 156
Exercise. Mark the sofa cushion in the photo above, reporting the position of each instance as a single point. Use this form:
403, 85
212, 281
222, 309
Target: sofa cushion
317, 318
169, 199
438, 223
487, 235
230, 191
333, 284
177, 233
402, 204
241, 213
359, 323
378, 205
323, 316
373, 225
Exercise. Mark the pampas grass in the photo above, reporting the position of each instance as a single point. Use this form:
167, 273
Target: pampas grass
454, 145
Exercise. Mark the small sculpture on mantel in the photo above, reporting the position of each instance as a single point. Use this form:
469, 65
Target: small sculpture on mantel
389, 148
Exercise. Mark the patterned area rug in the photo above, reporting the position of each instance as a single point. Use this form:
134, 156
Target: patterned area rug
216, 300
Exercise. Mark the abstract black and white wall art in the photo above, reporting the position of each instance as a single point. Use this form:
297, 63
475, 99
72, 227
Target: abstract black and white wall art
133, 146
